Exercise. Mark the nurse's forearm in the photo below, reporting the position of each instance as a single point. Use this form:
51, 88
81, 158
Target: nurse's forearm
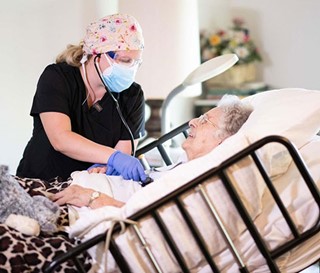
80, 148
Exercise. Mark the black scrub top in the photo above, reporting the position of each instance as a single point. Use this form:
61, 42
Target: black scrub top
61, 89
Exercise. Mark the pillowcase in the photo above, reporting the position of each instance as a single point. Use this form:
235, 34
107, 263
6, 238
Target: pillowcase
291, 112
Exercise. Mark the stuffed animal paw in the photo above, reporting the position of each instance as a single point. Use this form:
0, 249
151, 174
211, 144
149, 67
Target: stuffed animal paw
15, 200
24, 224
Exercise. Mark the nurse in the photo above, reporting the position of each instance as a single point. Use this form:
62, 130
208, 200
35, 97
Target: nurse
87, 108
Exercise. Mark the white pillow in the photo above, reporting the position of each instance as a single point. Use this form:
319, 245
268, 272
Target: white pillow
292, 112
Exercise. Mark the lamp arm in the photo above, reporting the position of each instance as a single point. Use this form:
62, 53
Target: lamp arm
164, 107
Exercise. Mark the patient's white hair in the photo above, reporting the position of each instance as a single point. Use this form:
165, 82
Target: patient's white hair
236, 112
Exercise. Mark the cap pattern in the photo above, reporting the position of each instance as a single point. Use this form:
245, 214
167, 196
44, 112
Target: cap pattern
112, 33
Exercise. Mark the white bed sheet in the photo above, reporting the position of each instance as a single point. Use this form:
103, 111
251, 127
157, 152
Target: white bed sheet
292, 190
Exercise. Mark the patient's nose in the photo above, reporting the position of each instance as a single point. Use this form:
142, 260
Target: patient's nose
193, 122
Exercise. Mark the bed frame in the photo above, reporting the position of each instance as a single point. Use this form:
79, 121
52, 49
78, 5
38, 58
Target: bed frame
196, 184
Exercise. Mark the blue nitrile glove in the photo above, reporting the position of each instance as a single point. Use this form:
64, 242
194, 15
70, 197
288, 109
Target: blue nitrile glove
97, 165
128, 166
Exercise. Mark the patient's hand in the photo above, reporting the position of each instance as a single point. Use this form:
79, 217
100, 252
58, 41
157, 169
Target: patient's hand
101, 168
79, 196
98, 168
73, 195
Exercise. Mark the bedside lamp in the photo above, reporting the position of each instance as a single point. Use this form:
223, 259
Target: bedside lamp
205, 71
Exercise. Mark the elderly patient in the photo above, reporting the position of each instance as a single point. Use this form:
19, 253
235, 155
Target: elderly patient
206, 132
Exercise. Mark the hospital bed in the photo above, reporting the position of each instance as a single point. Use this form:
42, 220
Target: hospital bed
251, 205
295, 244
213, 214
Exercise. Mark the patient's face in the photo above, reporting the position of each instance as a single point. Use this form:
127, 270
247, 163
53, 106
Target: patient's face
202, 134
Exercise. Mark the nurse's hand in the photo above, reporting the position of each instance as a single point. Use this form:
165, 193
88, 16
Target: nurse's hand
127, 166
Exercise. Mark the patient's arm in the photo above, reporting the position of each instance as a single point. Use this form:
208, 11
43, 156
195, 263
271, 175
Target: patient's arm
79, 196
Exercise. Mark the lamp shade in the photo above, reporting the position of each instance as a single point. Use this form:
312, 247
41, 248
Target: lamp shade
205, 71
210, 69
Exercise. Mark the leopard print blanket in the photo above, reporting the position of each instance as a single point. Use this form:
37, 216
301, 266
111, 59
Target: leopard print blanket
23, 253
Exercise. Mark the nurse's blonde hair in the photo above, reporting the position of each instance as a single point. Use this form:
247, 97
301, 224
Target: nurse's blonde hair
72, 55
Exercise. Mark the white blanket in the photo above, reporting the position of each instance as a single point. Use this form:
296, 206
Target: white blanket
115, 186
81, 219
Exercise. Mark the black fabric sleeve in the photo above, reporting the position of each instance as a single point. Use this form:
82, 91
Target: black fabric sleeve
52, 94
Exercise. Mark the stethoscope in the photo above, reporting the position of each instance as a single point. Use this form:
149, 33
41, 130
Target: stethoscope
133, 152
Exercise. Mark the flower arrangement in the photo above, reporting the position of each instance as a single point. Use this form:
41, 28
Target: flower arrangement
234, 40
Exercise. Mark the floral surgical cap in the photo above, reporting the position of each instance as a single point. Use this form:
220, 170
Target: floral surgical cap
112, 33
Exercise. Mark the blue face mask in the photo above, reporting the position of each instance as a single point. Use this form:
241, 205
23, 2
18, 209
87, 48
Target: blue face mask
118, 77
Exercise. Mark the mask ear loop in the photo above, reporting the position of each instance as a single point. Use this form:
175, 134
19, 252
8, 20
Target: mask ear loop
133, 151
107, 59
83, 60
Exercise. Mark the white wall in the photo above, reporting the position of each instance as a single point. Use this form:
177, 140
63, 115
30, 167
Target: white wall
171, 32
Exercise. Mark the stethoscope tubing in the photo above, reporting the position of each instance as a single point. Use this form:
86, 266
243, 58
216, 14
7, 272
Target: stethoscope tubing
133, 151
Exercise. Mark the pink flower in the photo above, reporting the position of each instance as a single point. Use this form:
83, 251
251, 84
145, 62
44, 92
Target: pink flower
238, 21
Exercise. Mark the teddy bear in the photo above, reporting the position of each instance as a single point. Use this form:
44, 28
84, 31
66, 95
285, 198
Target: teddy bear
19, 210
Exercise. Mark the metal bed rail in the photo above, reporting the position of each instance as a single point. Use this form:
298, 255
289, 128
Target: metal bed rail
159, 143
196, 184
